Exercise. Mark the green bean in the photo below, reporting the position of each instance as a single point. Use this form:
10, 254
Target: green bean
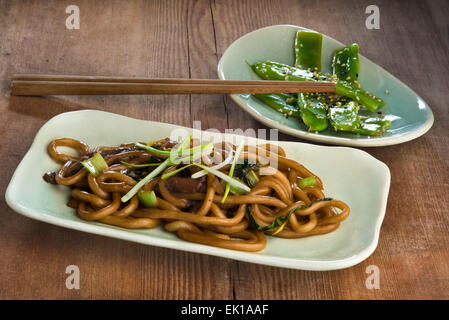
282, 103
270, 70
345, 63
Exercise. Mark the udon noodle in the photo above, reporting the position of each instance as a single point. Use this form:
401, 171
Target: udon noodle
276, 205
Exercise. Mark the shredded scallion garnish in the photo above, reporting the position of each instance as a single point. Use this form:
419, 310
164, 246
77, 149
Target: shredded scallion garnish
191, 155
225, 177
144, 165
231, 170
172, 173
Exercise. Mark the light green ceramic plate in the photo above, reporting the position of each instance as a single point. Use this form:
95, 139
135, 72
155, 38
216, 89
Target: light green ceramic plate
348, 174
410, 115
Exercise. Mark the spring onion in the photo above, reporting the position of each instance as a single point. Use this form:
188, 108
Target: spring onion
142, 182
196, 153
231, 170
147, 198
232, 189
221, 175
251, 178
307, 182
152, 149
95, 165
139, 165
179, 148
172, 173
178, 152
201, 173
170, 161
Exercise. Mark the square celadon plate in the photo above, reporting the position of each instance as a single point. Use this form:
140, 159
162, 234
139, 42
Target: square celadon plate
410, 115
348, 174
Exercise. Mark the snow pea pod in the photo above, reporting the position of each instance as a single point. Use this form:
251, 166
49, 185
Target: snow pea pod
345, 63
372, 126
313, 112
282, 103
308, 50
270, 70
308, 56
344, 117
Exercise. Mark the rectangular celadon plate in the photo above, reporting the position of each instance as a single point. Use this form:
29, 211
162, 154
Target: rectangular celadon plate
348, 174
410, 115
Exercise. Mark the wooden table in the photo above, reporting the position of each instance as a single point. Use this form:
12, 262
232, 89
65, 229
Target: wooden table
186, 39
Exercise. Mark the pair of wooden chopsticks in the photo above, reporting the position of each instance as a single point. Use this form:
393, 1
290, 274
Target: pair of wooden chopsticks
43, 85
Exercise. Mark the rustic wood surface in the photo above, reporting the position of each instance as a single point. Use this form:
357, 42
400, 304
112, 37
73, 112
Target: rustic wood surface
186, 39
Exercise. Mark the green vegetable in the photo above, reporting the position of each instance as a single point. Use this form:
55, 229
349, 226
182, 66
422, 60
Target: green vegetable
308, 56
307, 182
152, 149
233, 182
172, 173
242, 169
280, 103
233, 189
95, 165
372, 126
171, 160
142, 182
251, 178
345, 63
147, 198
366, 99
313, 112
179, 152
231, 170
270, 70
308, 50
275, 224
345, 117
140, 165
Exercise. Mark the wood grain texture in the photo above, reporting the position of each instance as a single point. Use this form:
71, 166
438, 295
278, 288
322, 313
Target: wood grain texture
185, 39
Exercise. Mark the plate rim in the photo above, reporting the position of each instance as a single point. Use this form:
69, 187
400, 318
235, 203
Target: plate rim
123, 234
355, 142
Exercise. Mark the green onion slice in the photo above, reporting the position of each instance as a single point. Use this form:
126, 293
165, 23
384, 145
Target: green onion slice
95, 165
147, 198
252, 178
307, 182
